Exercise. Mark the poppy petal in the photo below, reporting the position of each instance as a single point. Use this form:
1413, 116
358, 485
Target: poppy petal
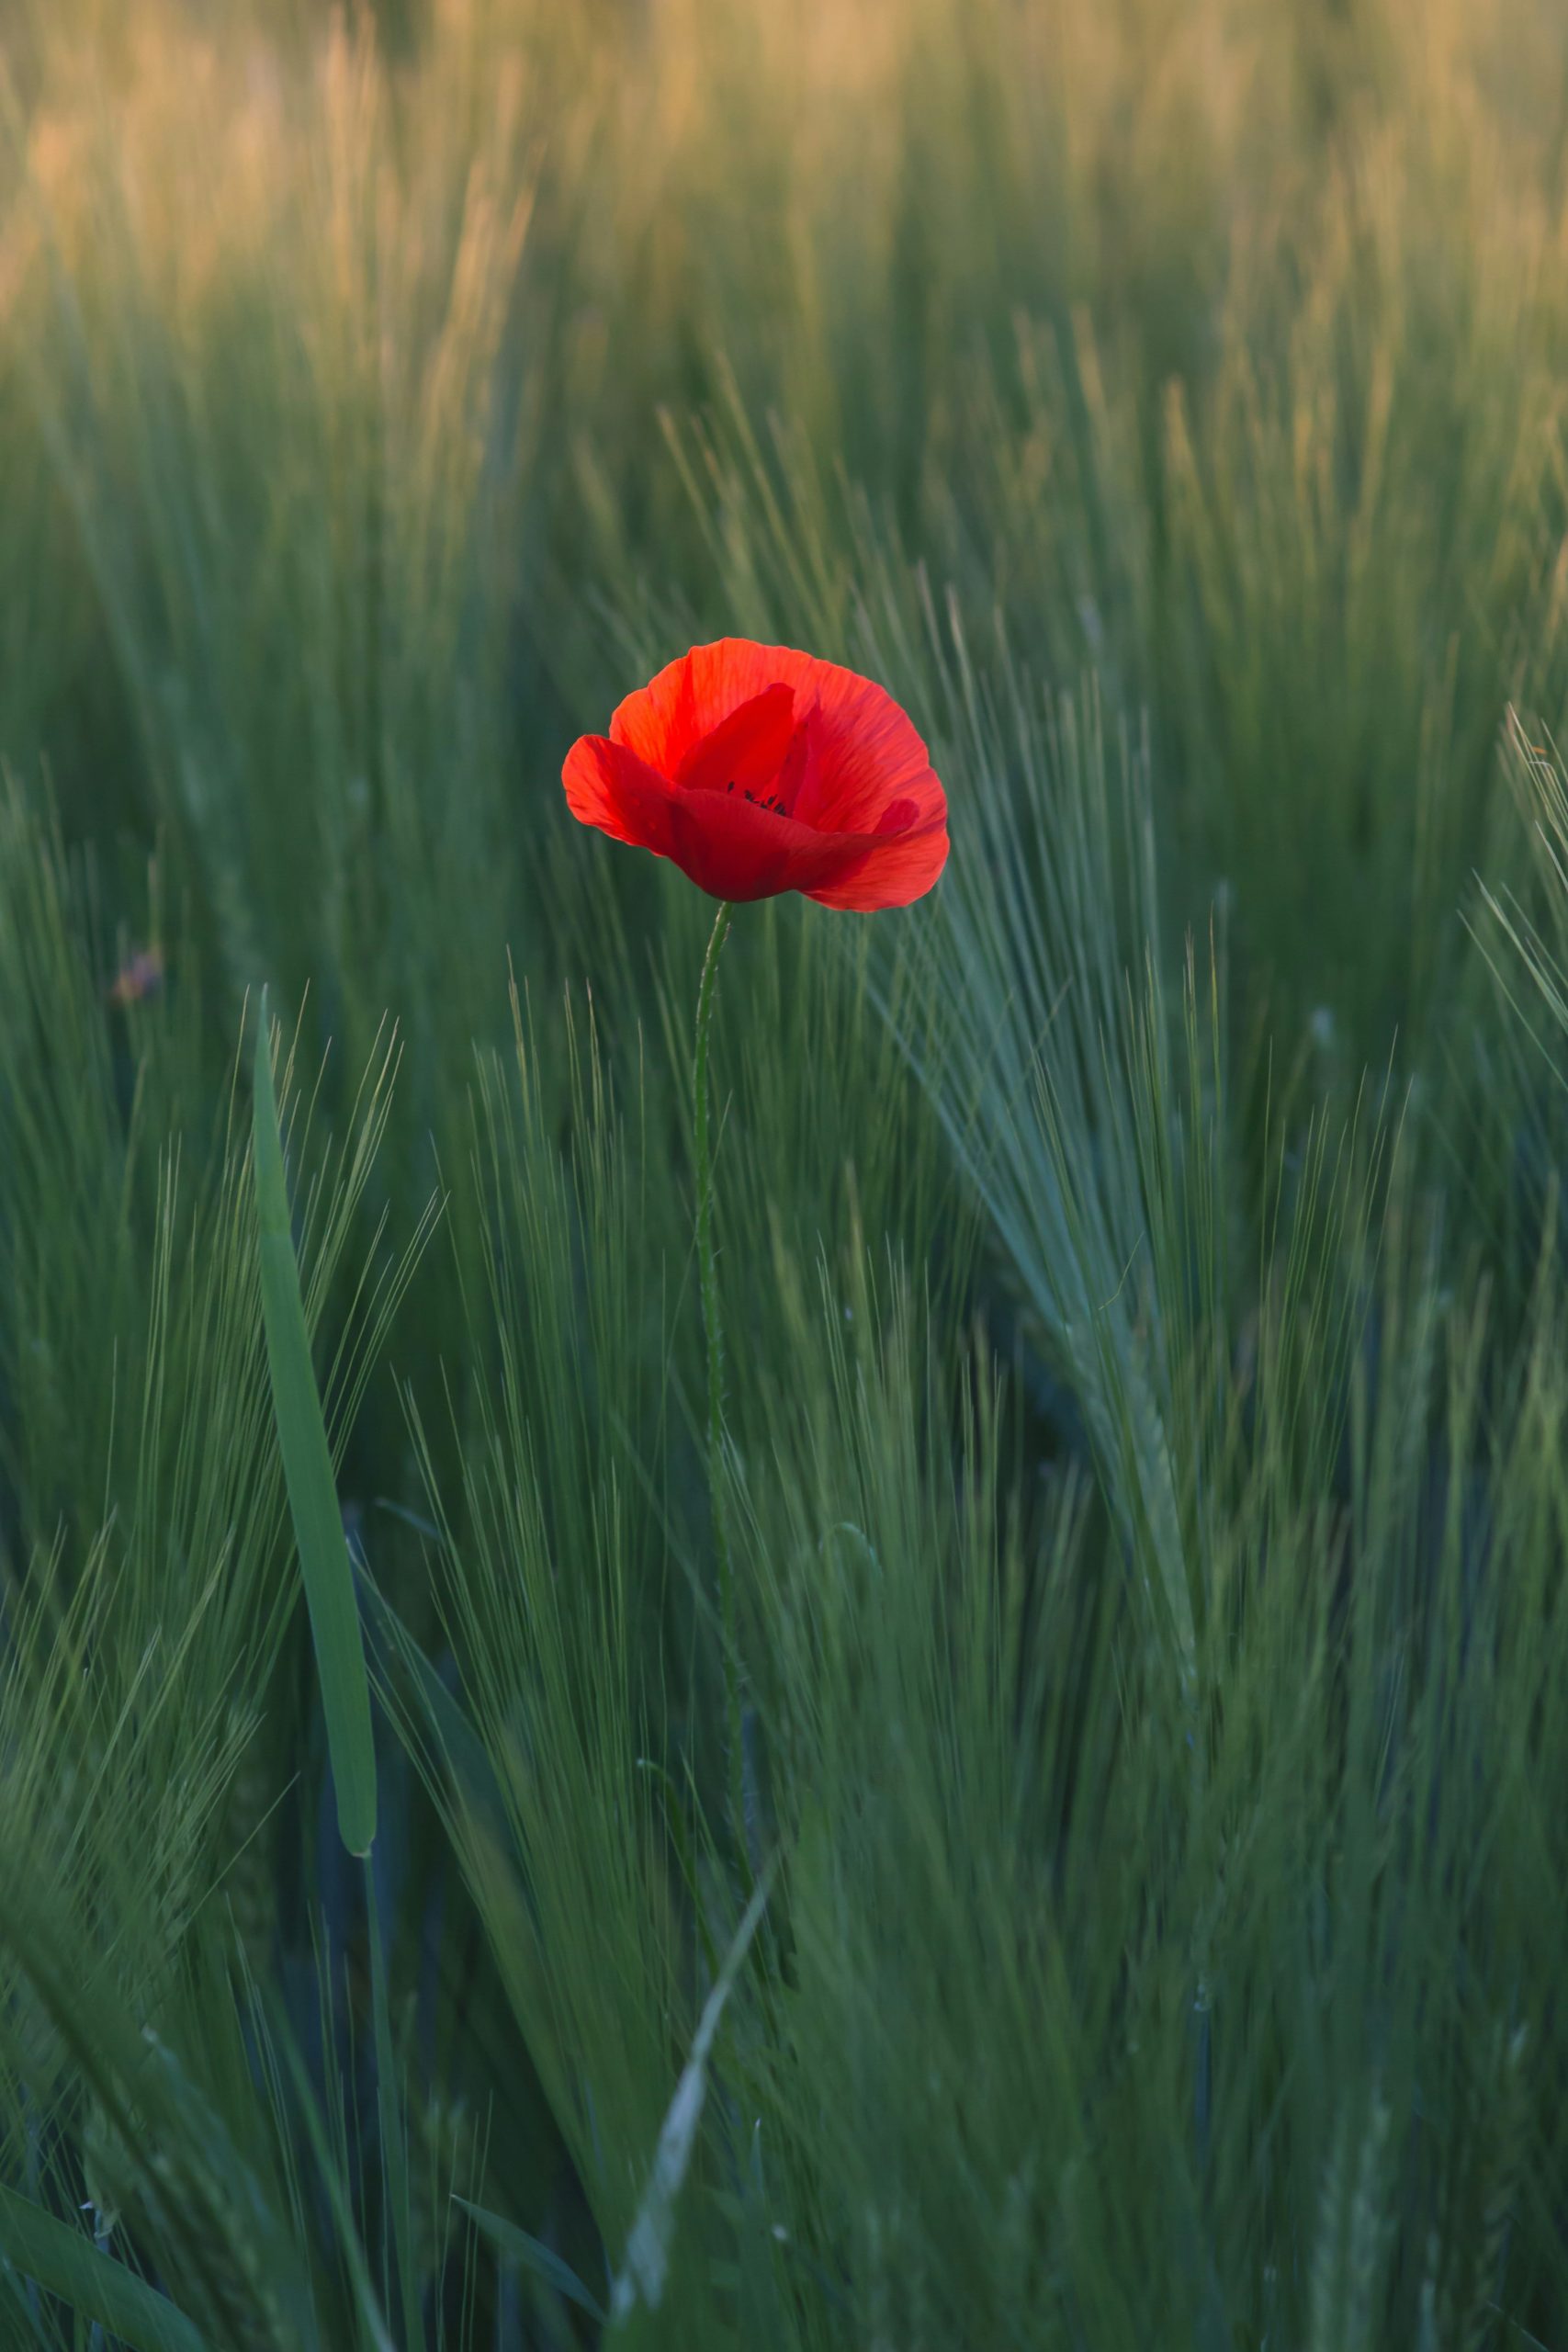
666, 719
899, 817
895, 871
746, 751
797, 777
869, 754
609, 786
734, 848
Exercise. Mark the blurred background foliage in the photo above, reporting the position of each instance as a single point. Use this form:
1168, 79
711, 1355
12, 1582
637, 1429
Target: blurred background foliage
1140, 1265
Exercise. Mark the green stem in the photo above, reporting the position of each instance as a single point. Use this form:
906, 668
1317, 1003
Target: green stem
708, 1275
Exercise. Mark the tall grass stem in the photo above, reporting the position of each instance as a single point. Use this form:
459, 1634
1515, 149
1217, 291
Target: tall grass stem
713, 1331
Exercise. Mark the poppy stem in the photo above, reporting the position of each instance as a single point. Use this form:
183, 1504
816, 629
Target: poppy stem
707, 1270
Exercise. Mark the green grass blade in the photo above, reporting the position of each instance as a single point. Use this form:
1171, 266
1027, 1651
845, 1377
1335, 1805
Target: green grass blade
508, 2239
374, 2332
313, 1492
646, 2264
94, 2284
430, 1720
390, 2115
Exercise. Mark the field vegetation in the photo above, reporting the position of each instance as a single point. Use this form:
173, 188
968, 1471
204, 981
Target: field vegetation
1144, 1921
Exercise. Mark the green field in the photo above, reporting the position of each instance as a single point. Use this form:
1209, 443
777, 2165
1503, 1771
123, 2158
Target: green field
1134, 1913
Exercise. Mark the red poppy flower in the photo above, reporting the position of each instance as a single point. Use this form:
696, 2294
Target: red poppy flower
757, 769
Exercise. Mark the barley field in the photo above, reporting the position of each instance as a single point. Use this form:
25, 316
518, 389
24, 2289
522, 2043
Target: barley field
997, 1775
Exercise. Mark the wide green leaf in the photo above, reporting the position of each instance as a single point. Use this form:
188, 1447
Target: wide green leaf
313, 1491
97, 2286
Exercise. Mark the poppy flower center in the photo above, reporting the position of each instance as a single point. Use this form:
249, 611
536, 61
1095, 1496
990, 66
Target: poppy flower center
773, 800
